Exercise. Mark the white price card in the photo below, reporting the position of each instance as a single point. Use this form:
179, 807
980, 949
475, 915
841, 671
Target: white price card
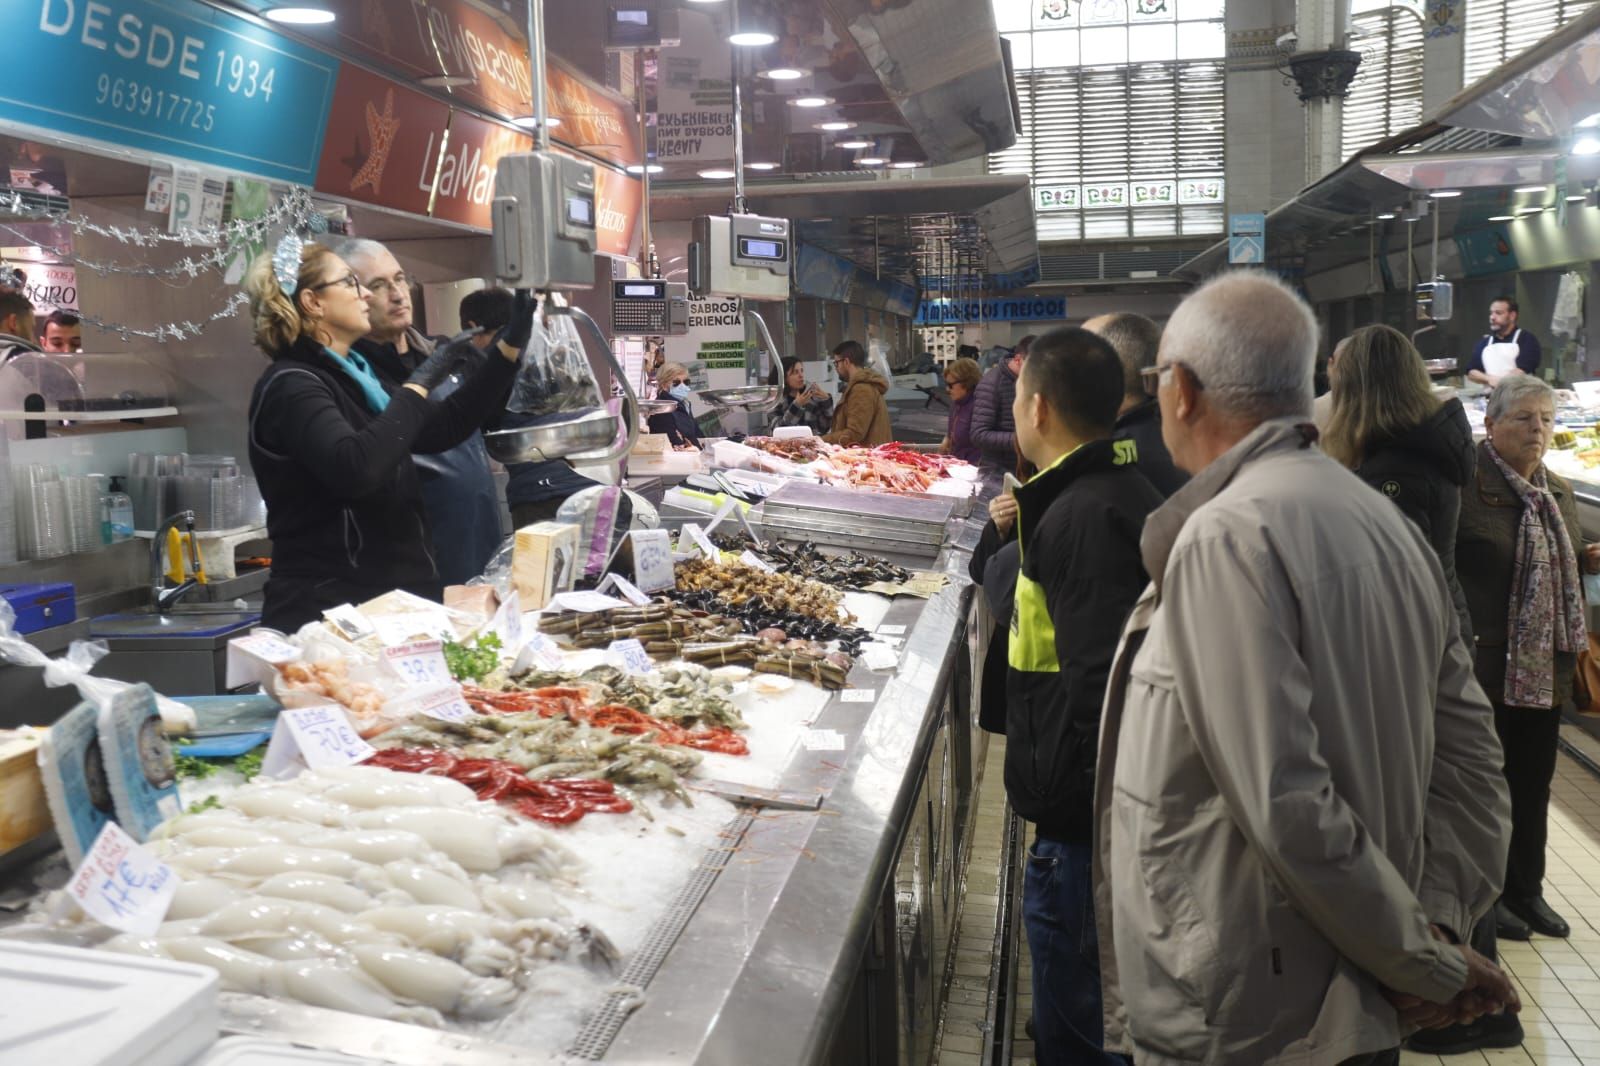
583, 602
122, 885
822, 740
313, 737
420, 662
891, 631
445, 703
696, 537
256, 657
878, 656
539, 651
349, 621
635, 660
413, 625
625, 588
652, 559
507, 621
857, 695
750, 558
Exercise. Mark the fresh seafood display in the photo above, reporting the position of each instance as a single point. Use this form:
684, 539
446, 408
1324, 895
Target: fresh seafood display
851, 570
737, 583
776, 625
330, 678
684, 693
795, 449
658, 621
559, 802
574, 707
362, 889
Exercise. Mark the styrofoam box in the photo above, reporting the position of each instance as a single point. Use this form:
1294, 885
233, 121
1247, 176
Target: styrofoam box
252, 1051
61, 1005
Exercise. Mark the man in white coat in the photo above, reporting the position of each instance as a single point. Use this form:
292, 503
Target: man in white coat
1299, 805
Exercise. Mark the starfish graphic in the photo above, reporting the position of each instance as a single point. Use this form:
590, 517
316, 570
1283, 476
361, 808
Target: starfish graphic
381, 128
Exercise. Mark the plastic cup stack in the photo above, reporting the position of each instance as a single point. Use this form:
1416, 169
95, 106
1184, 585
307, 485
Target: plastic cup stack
41, 511
83, 513
8, 503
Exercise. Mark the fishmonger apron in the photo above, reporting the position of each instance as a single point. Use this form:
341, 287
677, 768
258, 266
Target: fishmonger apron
1500, 357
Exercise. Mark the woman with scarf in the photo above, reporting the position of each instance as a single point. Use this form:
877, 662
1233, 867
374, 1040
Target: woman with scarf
331, 444
672, 381
1519, 552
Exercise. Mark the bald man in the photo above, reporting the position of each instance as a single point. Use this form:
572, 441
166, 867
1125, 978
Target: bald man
1135, 339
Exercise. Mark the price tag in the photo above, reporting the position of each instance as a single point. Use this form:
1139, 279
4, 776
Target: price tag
892, 631
698, 539
822, 740
857, 695
635, 660
446, 704
583, 602
413, 625
750, 558
625, 588
418, 663
122, 885
879, 656
256, 657
313, 737
652, 559
507, 621
349, 621
539, 651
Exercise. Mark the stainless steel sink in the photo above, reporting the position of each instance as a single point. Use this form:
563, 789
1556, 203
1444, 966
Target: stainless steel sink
179, 620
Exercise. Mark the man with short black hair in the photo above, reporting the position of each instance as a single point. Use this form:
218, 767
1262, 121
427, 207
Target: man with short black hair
1136, 339
1506, 349
16, 326
63, 332
1077, 524
862, 417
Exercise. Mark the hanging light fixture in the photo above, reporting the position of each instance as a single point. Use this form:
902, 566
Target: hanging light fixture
299, 14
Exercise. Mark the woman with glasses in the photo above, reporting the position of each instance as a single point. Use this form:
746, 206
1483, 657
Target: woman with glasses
331, 443
672, 381
802, 404
961, 378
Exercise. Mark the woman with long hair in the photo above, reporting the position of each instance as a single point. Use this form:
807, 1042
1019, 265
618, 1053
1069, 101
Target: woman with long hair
802, 404
331, 443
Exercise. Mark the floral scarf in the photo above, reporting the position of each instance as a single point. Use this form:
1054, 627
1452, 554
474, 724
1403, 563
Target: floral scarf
1546, 599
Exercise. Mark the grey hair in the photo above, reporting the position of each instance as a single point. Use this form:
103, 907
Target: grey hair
1512, 390
1136, 340
1252, 343
354, 250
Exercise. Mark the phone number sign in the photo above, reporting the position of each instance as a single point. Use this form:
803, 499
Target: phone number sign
168, 76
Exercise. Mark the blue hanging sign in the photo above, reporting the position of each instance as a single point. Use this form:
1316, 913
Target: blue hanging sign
1004, 309
168, 76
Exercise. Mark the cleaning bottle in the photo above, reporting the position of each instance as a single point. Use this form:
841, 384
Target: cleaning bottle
116, 513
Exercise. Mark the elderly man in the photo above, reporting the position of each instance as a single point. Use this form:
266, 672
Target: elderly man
1136, 339
1299, 806
458, 490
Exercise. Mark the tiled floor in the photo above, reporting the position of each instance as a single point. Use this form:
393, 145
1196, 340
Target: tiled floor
1559, 980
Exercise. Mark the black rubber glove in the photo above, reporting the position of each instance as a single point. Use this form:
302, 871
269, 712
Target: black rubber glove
435, 368
519, 329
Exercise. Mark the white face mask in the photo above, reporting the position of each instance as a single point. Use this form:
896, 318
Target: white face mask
680, 391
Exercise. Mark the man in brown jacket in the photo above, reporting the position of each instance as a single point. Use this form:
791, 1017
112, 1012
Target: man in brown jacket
862, 417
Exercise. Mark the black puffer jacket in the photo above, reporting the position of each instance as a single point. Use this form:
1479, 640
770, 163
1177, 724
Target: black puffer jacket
993, 430
1142, 425
1423, 470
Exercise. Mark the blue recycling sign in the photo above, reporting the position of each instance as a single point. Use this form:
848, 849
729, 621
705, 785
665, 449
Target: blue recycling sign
1247, 239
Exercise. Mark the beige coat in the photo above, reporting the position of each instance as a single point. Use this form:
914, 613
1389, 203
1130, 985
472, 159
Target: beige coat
1297, 772
862, 417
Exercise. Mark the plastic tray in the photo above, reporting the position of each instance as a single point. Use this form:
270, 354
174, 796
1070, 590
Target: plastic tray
96, 1008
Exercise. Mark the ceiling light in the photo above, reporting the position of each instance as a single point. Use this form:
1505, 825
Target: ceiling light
855, 144
751, 38
1530, 188
717, 174
834, 127
531, 122
1576, 199
1529, 210
811, 101
1586, 146
1444, 194
299, 15
906, 164
871, 161
655, 168
1502, 218
1589, 123
761, 166
783, 74
1387, 216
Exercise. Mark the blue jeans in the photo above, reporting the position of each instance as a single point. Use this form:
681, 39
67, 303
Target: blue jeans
1058, 913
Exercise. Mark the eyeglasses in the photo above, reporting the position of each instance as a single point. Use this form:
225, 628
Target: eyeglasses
381, 286
349, 279
1151, 376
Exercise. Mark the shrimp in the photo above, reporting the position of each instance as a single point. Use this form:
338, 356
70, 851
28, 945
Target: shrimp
436, 982
316, 888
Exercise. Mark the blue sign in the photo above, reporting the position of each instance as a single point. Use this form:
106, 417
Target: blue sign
168, 76
1247, 239
1004, 309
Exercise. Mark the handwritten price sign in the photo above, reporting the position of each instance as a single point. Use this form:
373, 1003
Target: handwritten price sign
539, 651
314, 737
635, 660
123, 886
418, 663
446, 704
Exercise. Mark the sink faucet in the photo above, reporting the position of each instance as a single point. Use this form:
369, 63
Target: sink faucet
160, 595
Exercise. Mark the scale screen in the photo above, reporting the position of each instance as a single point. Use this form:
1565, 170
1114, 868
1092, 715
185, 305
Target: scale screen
639, 308
643, 290
580, 211
757, 249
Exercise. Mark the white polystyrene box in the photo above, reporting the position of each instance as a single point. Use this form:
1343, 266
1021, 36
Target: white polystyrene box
253, 1051
98, 1008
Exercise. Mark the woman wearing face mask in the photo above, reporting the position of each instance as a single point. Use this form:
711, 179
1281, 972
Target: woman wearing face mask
331, 443
678, 424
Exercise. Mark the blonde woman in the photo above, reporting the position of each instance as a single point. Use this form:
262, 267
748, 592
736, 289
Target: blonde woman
672, 382
961, 378
331, 443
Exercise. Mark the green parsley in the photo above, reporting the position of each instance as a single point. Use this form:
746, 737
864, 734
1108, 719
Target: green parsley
473, 663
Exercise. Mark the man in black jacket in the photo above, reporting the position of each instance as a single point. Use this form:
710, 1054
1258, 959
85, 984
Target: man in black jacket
1136, 339
1078, 525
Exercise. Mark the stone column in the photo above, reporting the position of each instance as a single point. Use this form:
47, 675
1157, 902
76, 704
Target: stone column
1323, 67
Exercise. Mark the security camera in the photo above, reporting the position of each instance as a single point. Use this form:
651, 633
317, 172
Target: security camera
1288, 40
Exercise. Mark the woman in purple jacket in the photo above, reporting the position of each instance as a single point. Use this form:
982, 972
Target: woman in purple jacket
961, 378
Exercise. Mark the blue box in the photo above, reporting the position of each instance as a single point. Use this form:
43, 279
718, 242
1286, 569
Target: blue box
41, 606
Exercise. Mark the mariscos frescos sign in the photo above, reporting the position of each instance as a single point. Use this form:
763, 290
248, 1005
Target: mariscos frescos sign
1004, 309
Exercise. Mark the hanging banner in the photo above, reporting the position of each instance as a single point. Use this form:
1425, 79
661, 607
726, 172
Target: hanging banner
465, 171
176, 78
382, 144
1018, 309
694, 100
51, 286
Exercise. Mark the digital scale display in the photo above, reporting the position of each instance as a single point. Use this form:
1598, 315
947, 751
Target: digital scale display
757, 249
645, 290
639, 307
580, 211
